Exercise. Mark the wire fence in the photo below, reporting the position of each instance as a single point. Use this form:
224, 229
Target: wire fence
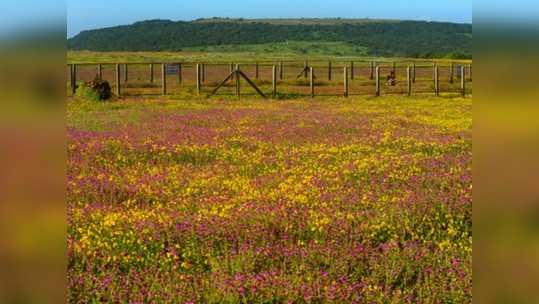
278, 79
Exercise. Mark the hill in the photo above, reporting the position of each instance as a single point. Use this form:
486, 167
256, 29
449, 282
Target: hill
389, 38
296, 21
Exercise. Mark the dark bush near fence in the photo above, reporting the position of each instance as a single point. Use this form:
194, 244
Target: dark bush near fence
97, 89
101, 87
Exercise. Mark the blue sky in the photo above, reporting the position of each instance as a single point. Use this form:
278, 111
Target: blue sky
21, 14
91, 14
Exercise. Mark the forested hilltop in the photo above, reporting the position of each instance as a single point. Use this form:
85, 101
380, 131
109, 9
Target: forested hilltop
388, 38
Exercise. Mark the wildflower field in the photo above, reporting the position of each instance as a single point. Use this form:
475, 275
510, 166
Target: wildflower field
330, 200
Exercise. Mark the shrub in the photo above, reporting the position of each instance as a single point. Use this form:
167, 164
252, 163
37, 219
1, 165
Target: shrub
86, 92
95, 90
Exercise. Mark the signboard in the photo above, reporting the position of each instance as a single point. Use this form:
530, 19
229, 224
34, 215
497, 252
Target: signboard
172, 68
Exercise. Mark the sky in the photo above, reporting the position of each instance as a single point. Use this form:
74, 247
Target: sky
16, 15
92, 14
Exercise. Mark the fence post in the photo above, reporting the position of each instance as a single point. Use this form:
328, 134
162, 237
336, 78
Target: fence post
311, 81
274, 81
413, 72
409, 80
371, 77
256, 70
126, 73
151, 72
395, 68
377, 80
345, 81
470, 72
198, 78
329, 70
118, 80
163, 79
203, 72
451, 73
99, 71
280, 70
436, 81
305, 65
463, 81
238, 93
70, 66
73, 78
179, 73
351, 69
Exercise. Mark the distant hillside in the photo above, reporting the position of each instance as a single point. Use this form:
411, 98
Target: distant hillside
297, 21
388, 38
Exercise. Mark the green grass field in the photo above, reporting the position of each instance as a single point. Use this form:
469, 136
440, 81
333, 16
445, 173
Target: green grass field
288, 51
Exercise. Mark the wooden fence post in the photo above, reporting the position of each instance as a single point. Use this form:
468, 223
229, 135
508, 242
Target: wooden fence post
395, 68
345, 81
70, 66
377, 80
203, 72
329, 70
305, 65
451, 72
99, 71
118, 91
256, 70
163, 79
280, 70
311, 81
73, 78
413, 72
351, 69
238, 93
409, 80
371, 77
463, 81
126, 77
151, 72
470, 72
198, 78
436, 81
274, 81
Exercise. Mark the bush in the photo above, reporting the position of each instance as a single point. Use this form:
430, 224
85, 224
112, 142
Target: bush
86, 92
95, 90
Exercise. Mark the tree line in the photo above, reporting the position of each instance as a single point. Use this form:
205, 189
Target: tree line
398, 39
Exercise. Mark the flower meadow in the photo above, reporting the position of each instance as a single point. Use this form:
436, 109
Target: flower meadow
305, 201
